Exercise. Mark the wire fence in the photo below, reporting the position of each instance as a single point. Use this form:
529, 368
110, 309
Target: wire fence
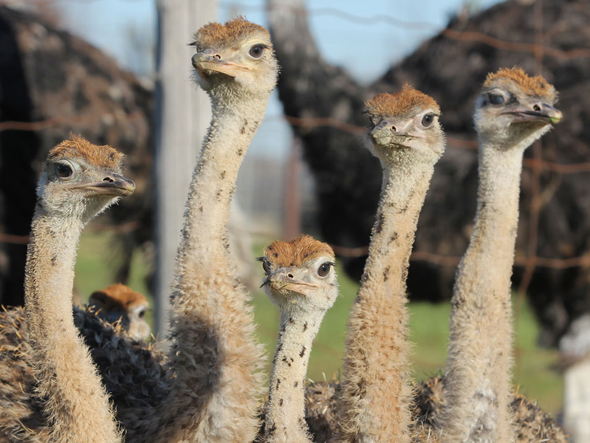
537, 164
541, 49
467, 36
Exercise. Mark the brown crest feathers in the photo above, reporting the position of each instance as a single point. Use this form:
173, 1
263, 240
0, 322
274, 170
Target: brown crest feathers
296, 252
76, 146
535, 86
405, 102
117, 297
234, 31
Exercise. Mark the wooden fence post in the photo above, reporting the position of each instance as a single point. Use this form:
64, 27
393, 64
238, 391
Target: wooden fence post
181, 118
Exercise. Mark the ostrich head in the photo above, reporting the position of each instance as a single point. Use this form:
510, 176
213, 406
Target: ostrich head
300, 275
515, 109
237, 56
81, 179
121, 303
405, 125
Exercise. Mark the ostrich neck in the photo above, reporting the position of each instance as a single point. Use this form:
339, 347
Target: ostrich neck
76, 404
213, 352
402, 198
376, 396
285, 416
494, 234
477, 375
204, 236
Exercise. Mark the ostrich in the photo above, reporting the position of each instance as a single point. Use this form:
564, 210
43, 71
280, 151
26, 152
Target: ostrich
122, 305
79, 181
374, 405
207, 387
213, 356
512, 112
132, 371
301, 282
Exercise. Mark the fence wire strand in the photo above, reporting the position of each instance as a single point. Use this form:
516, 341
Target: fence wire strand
453, 34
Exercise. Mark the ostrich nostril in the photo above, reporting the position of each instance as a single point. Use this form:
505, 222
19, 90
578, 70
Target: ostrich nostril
394, 129
217, 56
108, 179
290, 276
537, 108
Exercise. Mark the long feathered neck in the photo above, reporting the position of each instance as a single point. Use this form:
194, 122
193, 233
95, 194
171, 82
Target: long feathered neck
477, 375
204, 236
213, 353
75, 403
376, 397
285, 413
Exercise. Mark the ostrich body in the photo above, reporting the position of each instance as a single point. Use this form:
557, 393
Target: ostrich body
512, 112
301, 282
80, 180
207, 387
121, 305
376, 397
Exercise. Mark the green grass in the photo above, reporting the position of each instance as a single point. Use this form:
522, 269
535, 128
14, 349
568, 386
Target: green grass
428, 323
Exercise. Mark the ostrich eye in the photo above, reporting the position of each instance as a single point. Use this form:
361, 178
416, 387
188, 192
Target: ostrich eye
63, 171
496, 99
427, 120
256, 51
324, 269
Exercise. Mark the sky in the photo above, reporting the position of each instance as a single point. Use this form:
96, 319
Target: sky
105, 23
119, 26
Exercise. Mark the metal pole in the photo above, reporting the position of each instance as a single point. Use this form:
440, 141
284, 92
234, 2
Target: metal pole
292, 191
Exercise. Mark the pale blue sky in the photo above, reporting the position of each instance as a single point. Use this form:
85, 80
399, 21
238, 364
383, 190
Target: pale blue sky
106, 24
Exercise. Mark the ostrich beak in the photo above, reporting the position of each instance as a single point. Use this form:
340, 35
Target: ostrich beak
284, 281
389, 132
542, 112
113, 184
214, 63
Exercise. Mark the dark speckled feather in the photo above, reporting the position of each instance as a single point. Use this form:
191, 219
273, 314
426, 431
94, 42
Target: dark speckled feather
133, 373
